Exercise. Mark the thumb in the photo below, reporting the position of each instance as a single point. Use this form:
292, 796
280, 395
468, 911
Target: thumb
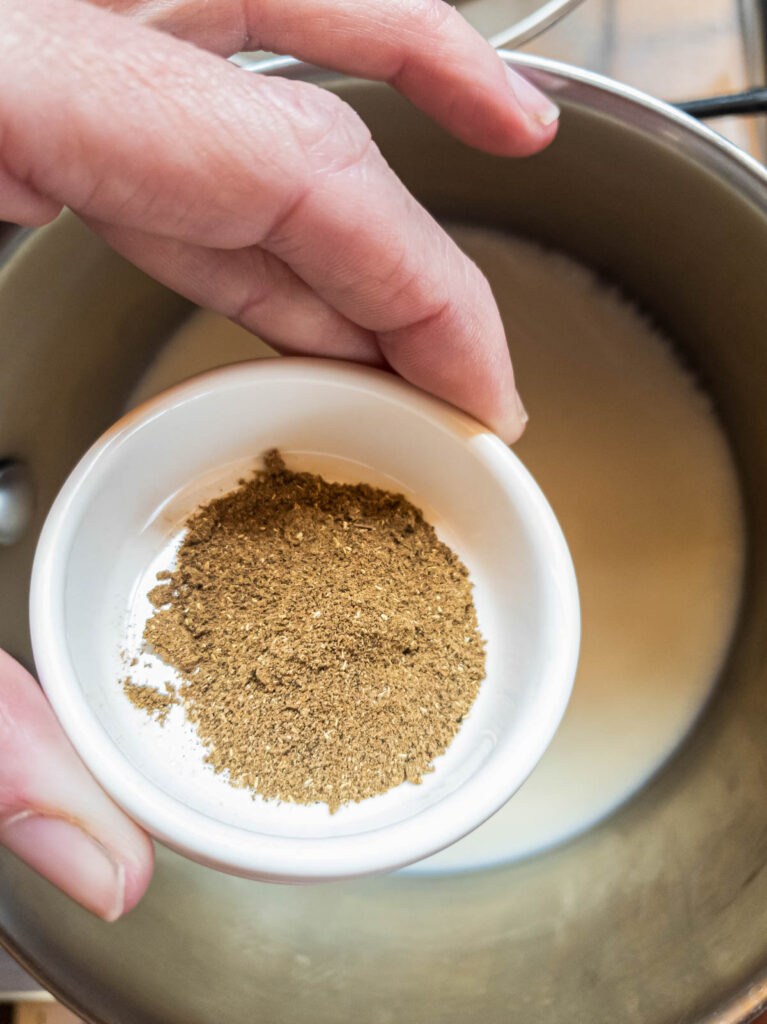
54, 816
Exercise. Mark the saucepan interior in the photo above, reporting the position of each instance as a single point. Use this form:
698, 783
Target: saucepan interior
653, 916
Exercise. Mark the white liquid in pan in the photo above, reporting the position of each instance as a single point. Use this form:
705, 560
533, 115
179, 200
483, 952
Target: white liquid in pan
626, 449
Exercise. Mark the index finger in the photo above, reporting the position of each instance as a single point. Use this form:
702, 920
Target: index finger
424, 48
363, 243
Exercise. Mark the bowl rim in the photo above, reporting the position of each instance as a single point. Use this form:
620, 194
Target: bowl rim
265, 856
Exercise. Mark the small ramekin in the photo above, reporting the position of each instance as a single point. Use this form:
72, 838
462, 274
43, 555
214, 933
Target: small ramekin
131, 493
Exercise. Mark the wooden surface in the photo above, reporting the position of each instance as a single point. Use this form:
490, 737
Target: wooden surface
14, 982
42, 1013
673, 49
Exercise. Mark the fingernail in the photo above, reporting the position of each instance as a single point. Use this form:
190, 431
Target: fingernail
67, 856
511, 425
537, 106
523, 417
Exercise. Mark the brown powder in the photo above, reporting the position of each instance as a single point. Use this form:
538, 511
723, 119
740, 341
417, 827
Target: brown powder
326, 640
153, 701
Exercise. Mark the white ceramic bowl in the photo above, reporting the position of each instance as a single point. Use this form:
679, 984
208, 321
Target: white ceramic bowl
113, 526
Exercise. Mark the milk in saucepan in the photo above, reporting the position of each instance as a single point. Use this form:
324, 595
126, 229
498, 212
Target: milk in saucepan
627, 448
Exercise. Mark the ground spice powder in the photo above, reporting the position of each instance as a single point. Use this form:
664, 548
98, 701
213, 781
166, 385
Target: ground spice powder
153, 701
326, 640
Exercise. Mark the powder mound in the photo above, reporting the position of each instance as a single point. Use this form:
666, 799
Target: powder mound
326, 639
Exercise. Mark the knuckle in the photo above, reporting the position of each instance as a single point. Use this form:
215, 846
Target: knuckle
327, 138
471, 308
328, 135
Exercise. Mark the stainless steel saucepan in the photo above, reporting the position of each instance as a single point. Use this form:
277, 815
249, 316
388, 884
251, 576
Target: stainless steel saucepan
657, 915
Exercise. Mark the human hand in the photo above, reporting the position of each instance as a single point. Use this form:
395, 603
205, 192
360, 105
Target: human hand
54, 815
266, 200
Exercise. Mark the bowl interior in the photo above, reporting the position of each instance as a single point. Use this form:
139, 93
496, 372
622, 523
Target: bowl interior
119, 518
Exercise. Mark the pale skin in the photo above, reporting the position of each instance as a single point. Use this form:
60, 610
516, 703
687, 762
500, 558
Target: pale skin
266, 200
